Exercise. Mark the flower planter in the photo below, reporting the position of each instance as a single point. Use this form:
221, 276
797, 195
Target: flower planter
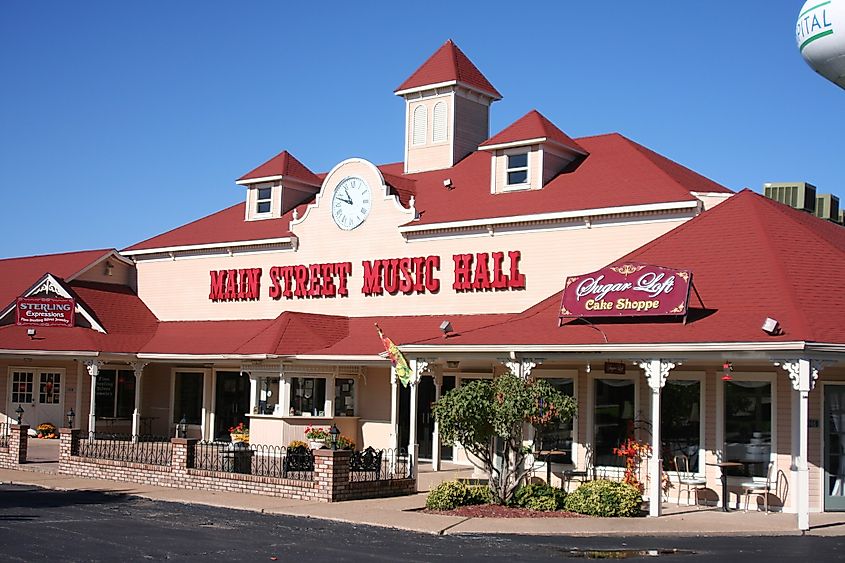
317, 444
236, 438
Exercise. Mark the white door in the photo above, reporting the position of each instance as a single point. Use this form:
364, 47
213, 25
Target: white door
39, 394
48, 406
22, 395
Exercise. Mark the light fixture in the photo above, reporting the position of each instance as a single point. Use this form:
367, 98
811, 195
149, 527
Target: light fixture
30, 332
771, 326
182, 428
70, 416
109, 268
447, 183
333, 434
727, 368
589, 368
452, 364
19, 411
446, 327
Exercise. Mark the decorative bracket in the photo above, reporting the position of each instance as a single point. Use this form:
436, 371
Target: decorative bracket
656, 371
793, 369
138, 367
93, 367
521, 367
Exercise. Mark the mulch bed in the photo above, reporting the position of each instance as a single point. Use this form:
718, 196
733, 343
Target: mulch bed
498, 511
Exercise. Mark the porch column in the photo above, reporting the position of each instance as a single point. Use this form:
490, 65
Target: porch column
253, 394
394, 409
435, 435
93, 367
803, 374
138, 368
656, 372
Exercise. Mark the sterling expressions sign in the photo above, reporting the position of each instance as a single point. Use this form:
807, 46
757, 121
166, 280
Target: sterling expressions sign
44, 311
627, 290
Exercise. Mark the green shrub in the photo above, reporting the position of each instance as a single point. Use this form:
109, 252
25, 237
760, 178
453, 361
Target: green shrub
539, 496
452, 494
605, 498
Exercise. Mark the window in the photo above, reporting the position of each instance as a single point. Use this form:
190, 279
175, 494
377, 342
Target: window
22, 386
187, 397
420, 117
344, 397
517, 168
308, 396
49, 388
557, 436
263, 200
613, 418
680, 422
439, 130
748, 425
114, 394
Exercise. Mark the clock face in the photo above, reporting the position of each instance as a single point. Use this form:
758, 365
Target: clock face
351, 203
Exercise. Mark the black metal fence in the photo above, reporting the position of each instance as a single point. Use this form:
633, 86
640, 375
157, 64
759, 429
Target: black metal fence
152, 450
255, 459
378, 465
4, 434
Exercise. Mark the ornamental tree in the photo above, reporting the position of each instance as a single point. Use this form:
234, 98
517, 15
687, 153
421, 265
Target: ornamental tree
489, 419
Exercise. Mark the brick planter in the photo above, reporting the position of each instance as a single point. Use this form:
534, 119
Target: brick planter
15, 454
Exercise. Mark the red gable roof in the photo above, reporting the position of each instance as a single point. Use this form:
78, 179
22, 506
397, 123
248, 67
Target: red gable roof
283, 164
532, 125
449, 64
18, 274
744, 270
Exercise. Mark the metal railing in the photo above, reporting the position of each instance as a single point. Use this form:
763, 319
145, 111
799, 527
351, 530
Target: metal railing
254, 459
4, 434
151, 450
379, 465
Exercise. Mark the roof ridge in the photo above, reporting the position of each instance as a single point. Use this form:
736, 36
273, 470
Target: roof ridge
53, 255
786, 210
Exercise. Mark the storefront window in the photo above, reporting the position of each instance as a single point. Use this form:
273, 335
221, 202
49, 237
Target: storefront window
748, 425
557, 436
680, 422
308, 396
114, 394
344, 397
268, 395
613, 418
187, 399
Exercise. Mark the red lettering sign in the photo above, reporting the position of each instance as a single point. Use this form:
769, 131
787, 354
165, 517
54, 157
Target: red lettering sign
483, 271
312, 281
401, 275
44, 311
627, 290
235, 285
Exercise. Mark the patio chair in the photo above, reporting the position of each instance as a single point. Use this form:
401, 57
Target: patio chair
687, 480
763, 489
582, 475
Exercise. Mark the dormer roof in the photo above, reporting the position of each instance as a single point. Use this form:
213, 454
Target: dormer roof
532, 128
283, 165
449, 65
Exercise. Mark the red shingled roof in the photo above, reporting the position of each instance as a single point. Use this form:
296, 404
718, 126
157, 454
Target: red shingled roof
449, 64
18, 274
532, 125
283, 164
751, 258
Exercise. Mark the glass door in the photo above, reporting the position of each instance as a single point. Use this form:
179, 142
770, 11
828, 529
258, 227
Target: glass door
834, 448
22, 394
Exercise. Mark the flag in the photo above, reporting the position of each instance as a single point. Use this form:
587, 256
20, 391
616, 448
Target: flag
397, 358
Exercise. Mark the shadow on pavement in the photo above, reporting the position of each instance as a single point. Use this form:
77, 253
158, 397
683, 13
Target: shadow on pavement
34, 498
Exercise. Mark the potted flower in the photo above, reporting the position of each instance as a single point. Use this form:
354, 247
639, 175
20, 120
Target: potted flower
47, 430
239, 433
317, 436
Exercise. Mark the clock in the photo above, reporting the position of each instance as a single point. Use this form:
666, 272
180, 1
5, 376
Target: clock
351, 203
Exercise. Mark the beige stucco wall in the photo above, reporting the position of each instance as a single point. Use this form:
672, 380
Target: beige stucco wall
471, 125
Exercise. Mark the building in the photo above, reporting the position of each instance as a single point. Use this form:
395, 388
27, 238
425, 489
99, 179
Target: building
264, 312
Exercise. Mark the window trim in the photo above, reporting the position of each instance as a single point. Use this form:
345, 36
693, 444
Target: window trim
117, 369
259, 200
328, 402
508, 170
636, 376
701, 378
573, 375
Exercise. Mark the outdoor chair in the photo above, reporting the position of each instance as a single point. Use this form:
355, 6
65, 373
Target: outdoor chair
687, 480
764, 489
582, 475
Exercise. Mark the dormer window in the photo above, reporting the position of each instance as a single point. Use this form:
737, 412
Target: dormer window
264, 200
517, 168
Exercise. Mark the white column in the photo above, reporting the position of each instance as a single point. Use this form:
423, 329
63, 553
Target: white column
412, 434
93, 367
78, 405
803, 374
435, 437
138, 368
656, 372
394, 409
253, 394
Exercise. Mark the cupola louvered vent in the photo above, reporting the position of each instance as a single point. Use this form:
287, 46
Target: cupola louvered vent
420, 117
440, 123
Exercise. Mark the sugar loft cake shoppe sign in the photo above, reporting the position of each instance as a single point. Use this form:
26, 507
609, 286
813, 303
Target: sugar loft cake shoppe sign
627, 290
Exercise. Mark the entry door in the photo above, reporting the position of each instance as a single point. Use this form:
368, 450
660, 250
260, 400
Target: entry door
834, 447
231, 402
425, 418
22, 394
49, 400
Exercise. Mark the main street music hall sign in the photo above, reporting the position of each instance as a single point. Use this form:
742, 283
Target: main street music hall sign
482, 271
627, 290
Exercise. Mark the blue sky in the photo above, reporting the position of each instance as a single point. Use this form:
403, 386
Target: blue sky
120, 121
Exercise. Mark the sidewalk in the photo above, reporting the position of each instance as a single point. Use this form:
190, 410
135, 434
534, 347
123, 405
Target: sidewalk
403, 513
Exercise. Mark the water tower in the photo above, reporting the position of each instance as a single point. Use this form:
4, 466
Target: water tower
820, 34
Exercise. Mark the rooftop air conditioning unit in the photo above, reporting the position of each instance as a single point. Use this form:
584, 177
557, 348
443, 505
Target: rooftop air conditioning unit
827, 207
800, 195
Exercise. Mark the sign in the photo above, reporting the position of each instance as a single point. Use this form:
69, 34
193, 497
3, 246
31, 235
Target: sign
627, 290
617, 368
44, 311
